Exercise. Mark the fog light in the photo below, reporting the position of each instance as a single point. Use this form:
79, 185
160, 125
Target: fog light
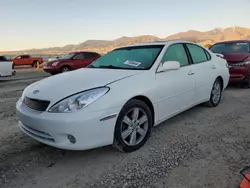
72, 139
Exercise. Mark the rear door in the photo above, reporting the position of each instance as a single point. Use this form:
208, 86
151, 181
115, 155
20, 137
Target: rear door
205, 71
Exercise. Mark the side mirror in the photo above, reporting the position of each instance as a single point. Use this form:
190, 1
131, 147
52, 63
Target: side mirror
169, 65
219, 55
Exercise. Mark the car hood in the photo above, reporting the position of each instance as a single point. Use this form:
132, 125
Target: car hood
53, 61
62, 85
236, 57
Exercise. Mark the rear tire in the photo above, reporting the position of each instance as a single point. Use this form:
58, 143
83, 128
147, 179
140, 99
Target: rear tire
215, 96
34, 64
133, 126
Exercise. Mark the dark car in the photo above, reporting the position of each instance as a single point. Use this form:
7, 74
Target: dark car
237, 54
71, 61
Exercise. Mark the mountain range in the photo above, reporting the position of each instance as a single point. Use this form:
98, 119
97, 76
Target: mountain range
104, 46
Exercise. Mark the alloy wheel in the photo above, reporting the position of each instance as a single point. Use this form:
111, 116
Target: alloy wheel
65, 69
134, 126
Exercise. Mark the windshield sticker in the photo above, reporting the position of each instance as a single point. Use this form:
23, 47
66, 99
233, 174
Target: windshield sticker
241, 43
132, 63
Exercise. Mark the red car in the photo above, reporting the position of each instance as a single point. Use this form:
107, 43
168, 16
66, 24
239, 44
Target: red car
237, 54
71, 61
27, 60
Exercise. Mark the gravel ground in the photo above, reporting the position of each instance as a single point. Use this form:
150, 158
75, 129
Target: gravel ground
203, 147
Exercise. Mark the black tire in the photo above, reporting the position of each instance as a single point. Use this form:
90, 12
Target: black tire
144, 110
34, 64
65, 68
212, 102
247, 82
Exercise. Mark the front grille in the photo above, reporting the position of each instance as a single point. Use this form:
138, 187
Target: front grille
36, 104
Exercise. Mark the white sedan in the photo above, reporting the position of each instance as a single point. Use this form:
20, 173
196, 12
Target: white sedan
121, 96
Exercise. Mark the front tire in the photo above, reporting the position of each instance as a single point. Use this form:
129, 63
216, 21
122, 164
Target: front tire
247, 83
133, 126
215, 96
65, 69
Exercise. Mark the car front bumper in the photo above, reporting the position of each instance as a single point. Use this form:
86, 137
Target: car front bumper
50, 69
54, 128
238, 74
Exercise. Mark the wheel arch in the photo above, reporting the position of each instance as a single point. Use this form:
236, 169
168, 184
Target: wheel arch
148, 102
65, 65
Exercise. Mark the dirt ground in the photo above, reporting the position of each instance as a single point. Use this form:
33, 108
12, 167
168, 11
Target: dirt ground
203, 147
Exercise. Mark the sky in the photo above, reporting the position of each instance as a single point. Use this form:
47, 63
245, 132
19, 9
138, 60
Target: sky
27, 24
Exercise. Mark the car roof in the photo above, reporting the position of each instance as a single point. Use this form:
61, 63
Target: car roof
230, 41
158, 43
82, 52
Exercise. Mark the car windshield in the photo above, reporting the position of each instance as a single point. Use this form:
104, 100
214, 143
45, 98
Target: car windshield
67, 56
233, 47
136, 57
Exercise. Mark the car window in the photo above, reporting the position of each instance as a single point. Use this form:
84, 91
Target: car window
80, 56
89, 55
176, 52
24, 57
197, 53
134, 57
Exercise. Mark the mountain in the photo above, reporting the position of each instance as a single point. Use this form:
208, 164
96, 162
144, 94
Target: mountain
104, 46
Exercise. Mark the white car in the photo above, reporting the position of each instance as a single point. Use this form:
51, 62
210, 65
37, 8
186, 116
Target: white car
121, 96
6, 67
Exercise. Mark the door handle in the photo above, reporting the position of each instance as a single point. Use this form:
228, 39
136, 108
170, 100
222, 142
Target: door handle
213, 67
191, 73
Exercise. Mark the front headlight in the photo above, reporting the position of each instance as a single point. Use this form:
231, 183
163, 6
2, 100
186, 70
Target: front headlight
78, 101
55, 63
241, 64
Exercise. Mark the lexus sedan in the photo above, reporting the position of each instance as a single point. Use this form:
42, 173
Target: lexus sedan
118, 98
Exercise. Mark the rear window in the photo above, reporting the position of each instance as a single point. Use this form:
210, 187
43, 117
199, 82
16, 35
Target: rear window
232, 47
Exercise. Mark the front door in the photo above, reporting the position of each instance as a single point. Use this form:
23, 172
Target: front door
25, 60
78, 60
175, 88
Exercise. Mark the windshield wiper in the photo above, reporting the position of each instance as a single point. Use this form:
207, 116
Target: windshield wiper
110, 67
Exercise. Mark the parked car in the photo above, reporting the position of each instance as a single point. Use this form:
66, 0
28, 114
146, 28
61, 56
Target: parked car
237, 54
119, 97
55, 58
27, 60
6, 67
71, 61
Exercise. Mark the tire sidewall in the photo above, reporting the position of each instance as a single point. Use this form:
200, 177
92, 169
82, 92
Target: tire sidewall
248, 81
117, 135
211, 97
65, 67
34, 64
